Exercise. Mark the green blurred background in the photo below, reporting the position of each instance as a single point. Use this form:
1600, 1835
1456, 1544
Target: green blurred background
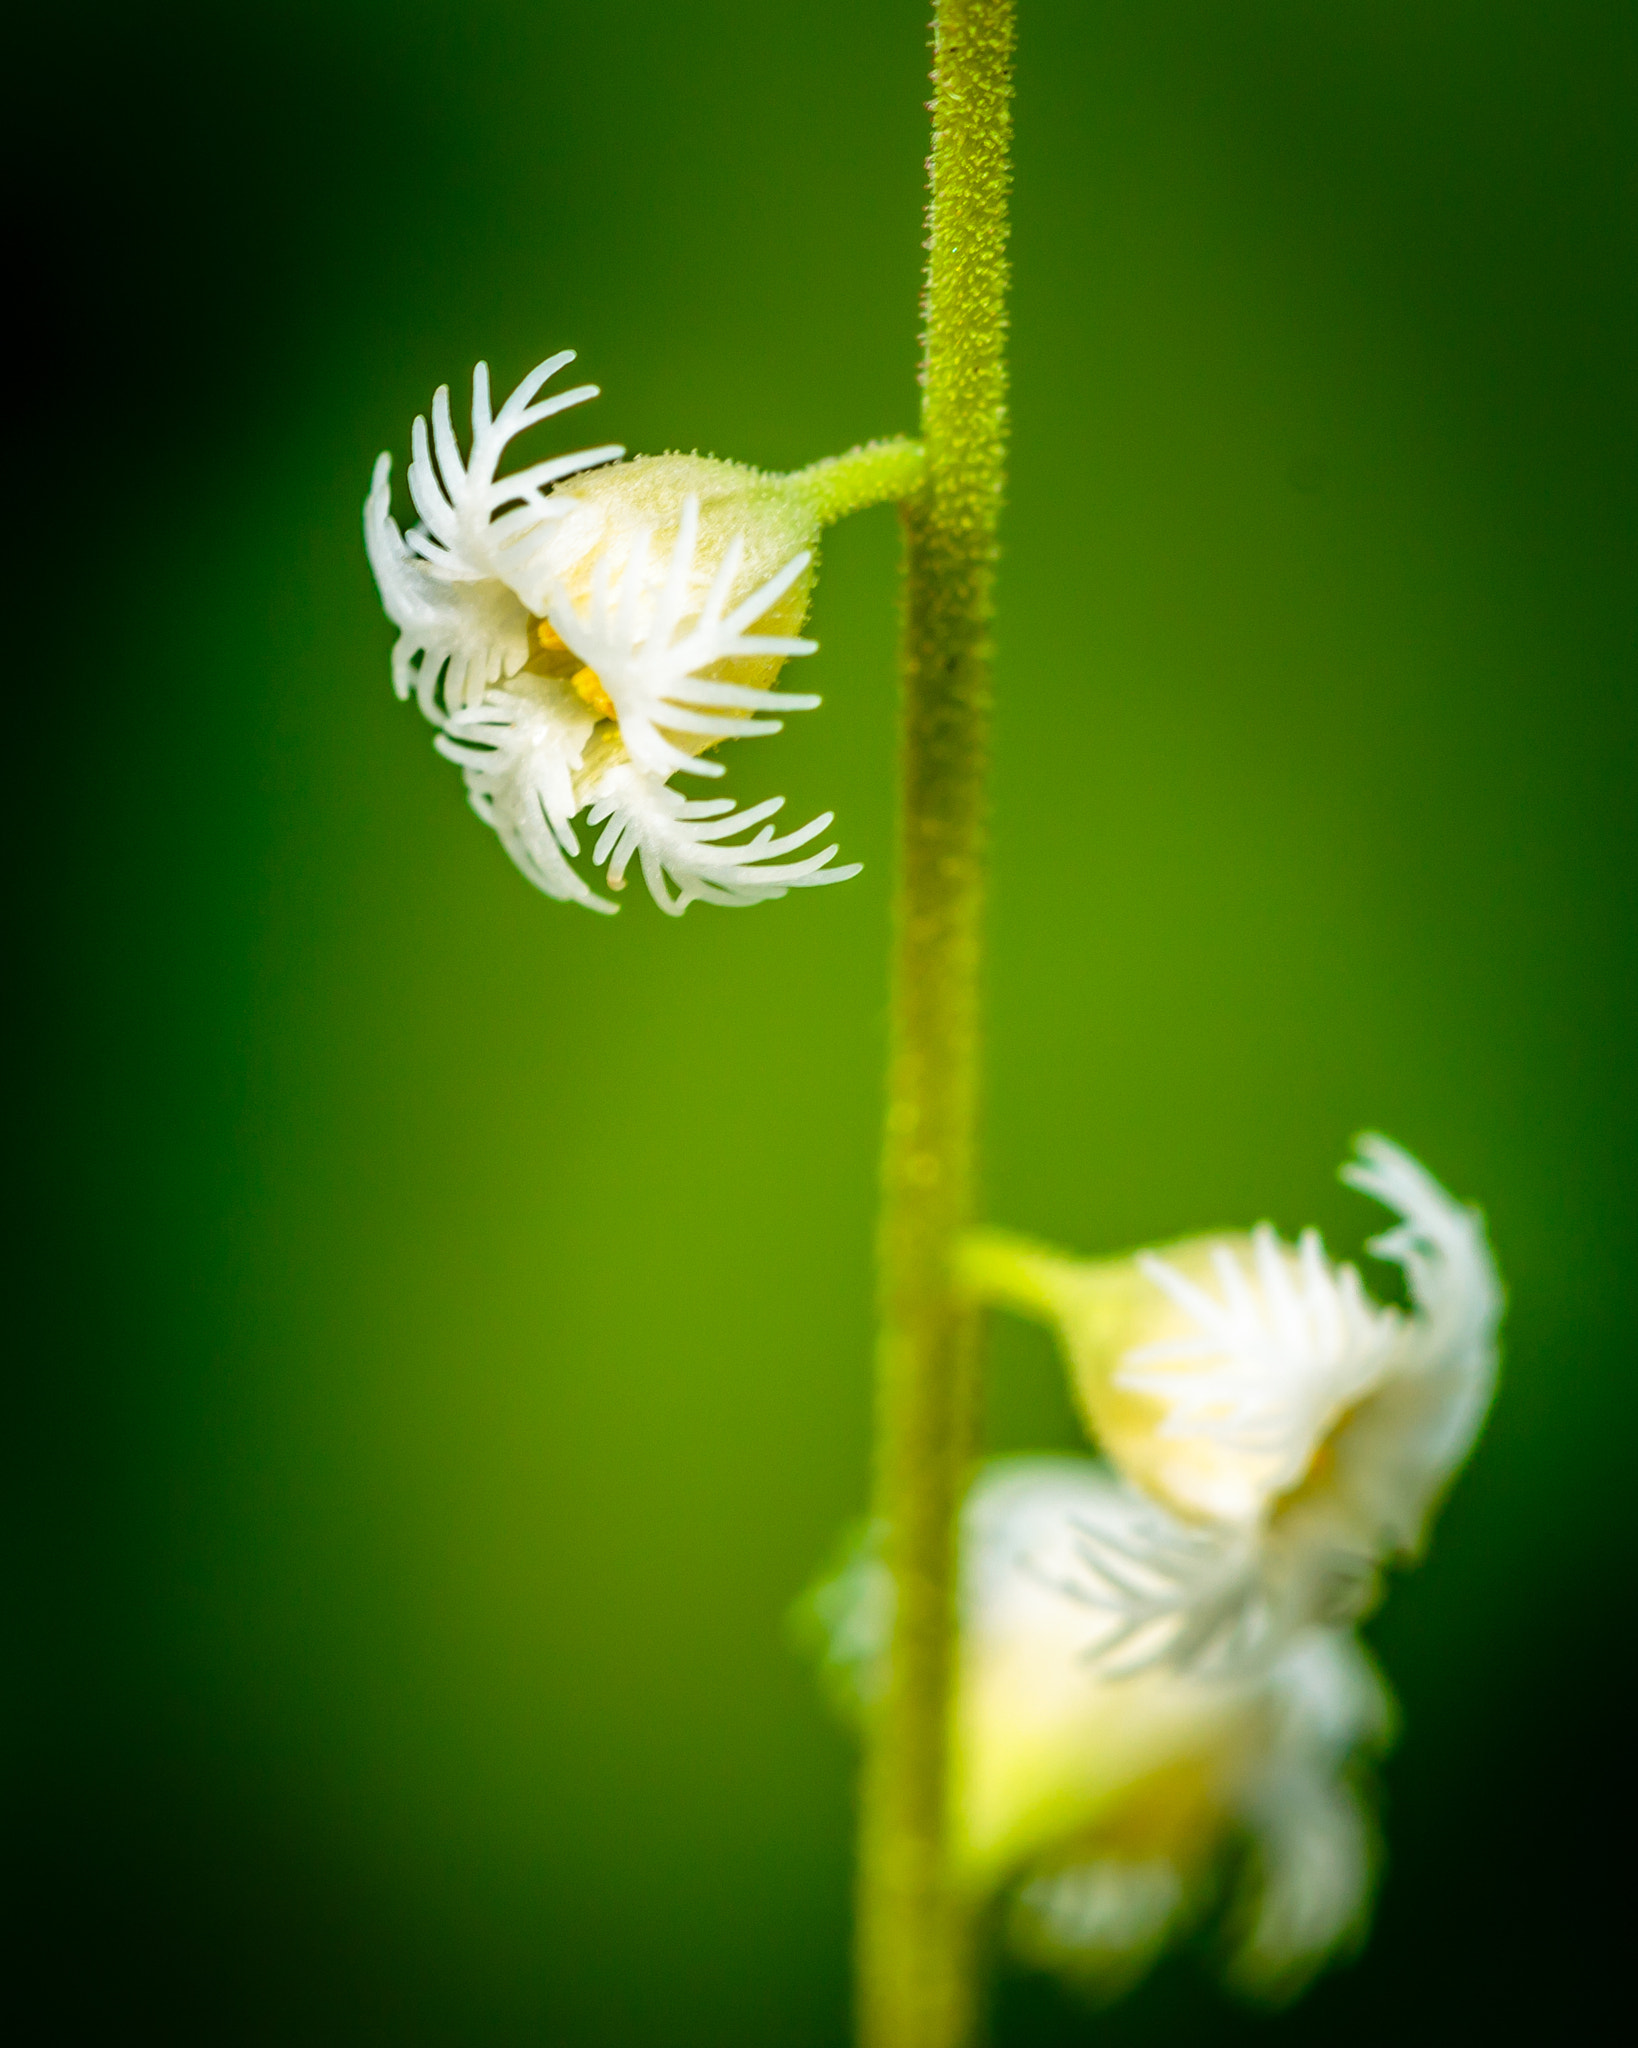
452, 1311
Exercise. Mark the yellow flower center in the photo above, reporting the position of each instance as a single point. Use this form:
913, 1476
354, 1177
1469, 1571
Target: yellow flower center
586, 683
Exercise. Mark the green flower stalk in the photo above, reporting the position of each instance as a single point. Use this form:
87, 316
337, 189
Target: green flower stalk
914, 1938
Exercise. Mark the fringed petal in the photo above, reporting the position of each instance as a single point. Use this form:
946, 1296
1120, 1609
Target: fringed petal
1397, 1453
454, 638
475, 525
1100, 1923
519, 755
682, 844
633, 632
1307, 1893
1272, 1359
1141, 1588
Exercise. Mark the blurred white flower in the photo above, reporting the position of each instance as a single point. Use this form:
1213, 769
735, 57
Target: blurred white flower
1116, 1807
579, 648
1295, 1434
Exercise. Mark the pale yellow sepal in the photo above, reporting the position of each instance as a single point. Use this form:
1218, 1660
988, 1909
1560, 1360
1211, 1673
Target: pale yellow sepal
1049, 1759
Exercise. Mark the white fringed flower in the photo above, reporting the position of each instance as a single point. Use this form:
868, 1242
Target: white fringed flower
1298, 1433
1114, 1807
579, 648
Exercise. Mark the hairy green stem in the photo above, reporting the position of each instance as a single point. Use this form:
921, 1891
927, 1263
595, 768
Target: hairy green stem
916, 1952
879, 473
